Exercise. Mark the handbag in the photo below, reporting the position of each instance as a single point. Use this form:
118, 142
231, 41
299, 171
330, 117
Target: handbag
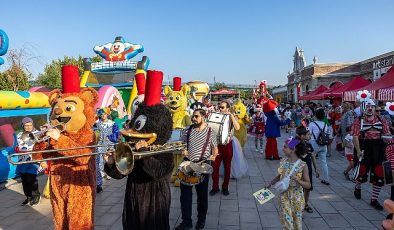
283, 184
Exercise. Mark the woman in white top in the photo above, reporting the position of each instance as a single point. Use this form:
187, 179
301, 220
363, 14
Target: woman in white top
321, 150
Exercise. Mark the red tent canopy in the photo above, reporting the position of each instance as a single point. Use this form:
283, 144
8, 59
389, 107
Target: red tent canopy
321, 95
357, 83
224, 92
386, 81
318, 90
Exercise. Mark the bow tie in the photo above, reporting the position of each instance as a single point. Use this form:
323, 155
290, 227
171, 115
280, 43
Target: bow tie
377, 125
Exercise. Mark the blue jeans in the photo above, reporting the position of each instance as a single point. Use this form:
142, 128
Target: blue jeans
321, 150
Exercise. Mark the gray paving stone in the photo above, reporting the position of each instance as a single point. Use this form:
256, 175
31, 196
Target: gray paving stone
229, 218
356, 219
335, 220
333, 205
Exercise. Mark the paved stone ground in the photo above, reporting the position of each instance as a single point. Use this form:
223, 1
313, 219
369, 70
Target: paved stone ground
334, 206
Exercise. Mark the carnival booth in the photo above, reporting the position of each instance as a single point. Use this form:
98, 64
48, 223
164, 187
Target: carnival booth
317, 91
223, 94
321, 96
381, 89
355, 84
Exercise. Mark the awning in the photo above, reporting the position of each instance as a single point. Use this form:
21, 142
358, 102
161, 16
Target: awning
351, 95
386, 94
353, 85
318, 90
321, 95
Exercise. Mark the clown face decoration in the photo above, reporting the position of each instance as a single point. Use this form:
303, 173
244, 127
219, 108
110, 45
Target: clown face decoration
363, 95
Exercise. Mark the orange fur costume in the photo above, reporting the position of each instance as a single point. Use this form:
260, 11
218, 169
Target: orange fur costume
72, 181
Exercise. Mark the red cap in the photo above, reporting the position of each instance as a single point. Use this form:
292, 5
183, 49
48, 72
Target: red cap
70, 79
269, 106
154, 81
140, 81
177, 81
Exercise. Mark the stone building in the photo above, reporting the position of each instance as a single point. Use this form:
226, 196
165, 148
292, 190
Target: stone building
306, 78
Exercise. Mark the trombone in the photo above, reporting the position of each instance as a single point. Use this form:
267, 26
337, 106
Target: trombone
124, 154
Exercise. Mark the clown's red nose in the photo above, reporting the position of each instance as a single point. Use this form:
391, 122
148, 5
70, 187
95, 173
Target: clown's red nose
391, 107
363, 95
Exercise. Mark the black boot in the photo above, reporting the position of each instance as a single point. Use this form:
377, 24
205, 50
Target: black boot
375, 204
200, 225
357, 193
184, 226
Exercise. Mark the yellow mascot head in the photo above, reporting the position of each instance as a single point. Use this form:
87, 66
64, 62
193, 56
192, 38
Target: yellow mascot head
176, 100
239, 109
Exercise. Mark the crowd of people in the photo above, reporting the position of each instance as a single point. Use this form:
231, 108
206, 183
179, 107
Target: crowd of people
313, 132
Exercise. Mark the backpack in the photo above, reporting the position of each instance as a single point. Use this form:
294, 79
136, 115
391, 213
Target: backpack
323, 138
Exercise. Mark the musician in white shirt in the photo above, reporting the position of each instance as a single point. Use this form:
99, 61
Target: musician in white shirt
225, 154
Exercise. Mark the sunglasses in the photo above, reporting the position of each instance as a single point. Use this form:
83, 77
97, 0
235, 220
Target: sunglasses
222, 107
196, 116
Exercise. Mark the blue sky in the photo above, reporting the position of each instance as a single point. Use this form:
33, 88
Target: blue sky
235, 41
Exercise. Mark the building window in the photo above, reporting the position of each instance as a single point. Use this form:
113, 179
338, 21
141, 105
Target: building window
307, 89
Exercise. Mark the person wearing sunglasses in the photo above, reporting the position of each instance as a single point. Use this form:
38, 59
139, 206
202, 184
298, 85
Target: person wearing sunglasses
201, 146
226, 154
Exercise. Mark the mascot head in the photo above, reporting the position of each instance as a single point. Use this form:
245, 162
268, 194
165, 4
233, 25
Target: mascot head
198, 90
152, 121
176, 100
72, 107
239, 109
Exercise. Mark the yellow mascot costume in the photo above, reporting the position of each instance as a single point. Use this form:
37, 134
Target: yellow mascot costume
239, 110
176, 102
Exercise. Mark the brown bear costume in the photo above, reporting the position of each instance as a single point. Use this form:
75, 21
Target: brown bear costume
72, 181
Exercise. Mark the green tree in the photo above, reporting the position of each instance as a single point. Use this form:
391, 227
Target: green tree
219, 86
17, 76
51, 77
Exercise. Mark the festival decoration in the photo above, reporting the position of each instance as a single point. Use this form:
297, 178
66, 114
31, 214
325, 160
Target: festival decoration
3, 45
117, 56
390, 107
363, 95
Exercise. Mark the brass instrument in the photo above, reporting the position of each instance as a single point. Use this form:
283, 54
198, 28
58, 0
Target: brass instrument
40, 136
124, 154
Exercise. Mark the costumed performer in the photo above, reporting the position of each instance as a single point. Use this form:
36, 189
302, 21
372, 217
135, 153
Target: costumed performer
72, 181
367, 134
239, 166
176, 102
147, 196
108, 133
272, 129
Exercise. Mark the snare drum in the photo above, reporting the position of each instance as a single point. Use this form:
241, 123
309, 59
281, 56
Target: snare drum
187, 176
221, 124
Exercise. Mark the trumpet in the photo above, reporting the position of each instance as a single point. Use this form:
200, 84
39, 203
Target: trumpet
124, 154
40, 136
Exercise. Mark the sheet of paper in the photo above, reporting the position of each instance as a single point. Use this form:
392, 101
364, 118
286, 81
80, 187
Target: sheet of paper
263, 195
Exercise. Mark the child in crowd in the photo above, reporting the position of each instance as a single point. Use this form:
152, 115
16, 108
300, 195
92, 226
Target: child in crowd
309, 158
292, 129
349, 148
292, 200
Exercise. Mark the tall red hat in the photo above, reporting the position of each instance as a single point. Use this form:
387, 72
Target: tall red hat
140, 81
177, 81
269, 106
154, 81
70, 79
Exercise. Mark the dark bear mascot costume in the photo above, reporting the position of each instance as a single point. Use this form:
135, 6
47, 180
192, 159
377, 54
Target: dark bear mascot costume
148, 197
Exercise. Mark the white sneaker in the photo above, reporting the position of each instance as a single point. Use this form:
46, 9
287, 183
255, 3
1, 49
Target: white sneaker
261, 151
257, 150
